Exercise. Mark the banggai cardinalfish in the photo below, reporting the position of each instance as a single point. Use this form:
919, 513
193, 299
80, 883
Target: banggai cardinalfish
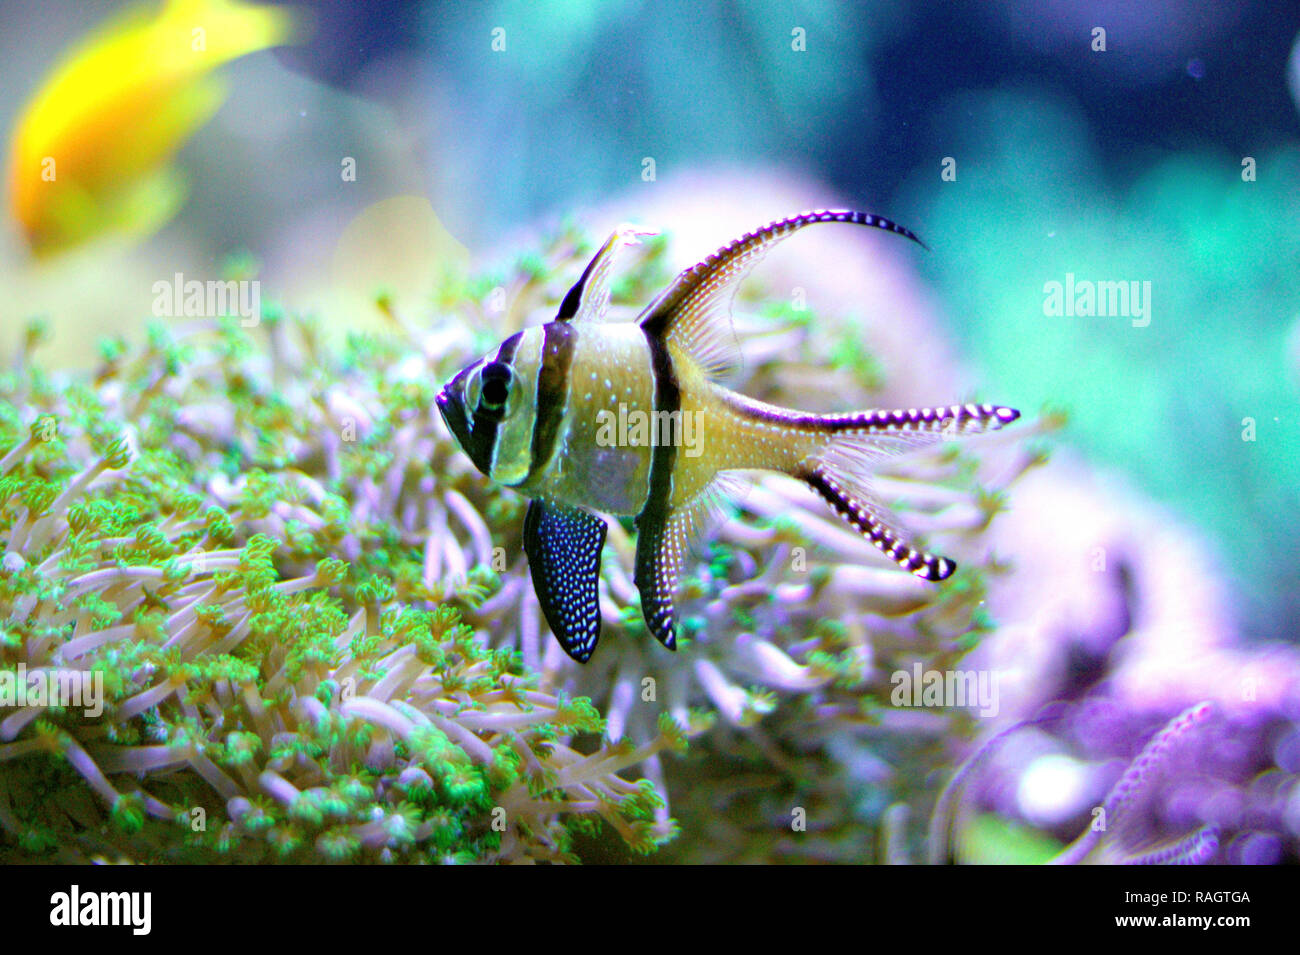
628, 418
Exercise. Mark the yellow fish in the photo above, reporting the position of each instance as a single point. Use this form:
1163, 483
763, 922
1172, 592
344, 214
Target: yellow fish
91, 149
629, 418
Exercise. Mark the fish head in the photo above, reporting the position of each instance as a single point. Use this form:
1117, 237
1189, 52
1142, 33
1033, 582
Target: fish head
489, 408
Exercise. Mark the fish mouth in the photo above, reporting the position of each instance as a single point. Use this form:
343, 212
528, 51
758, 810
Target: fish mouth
453, 413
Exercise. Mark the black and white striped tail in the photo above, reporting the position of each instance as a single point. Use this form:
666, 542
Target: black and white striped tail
840, 474
868, 520
953, 419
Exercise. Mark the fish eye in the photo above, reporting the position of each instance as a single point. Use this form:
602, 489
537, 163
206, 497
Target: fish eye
496, 386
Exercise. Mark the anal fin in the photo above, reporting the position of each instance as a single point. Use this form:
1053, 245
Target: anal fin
563, 545
663, 542
658, 562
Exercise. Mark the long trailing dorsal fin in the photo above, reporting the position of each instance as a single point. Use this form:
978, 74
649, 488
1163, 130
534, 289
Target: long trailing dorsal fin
694, 313
588, 300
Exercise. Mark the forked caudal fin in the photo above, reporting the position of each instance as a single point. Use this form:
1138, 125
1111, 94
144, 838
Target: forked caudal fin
840, 474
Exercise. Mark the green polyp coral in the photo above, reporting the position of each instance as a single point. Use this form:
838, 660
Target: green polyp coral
317, 637
286, 671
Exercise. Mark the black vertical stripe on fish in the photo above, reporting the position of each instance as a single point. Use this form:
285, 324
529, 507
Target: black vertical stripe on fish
481, 440
559, 339
858, 515
563, 545
654, 577
506, 353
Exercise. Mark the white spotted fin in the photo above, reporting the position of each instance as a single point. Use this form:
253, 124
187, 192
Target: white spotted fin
563, 546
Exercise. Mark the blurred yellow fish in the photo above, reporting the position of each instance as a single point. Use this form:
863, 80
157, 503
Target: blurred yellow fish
91, 150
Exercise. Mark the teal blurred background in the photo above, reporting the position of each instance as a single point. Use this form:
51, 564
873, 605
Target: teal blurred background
1172, 157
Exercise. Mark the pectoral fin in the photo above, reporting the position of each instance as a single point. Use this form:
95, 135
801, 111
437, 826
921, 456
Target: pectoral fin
563, 545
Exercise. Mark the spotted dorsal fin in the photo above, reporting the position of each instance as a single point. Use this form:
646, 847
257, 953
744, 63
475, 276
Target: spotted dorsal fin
694, 313
563, 545
588, 300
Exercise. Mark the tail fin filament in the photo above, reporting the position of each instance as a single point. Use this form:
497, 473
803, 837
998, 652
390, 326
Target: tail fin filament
840, 474
866, 519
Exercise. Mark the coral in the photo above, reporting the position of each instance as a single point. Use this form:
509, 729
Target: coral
1121, 829
1128, 792
1217, 783
318, 640
286, 675
1138, 626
